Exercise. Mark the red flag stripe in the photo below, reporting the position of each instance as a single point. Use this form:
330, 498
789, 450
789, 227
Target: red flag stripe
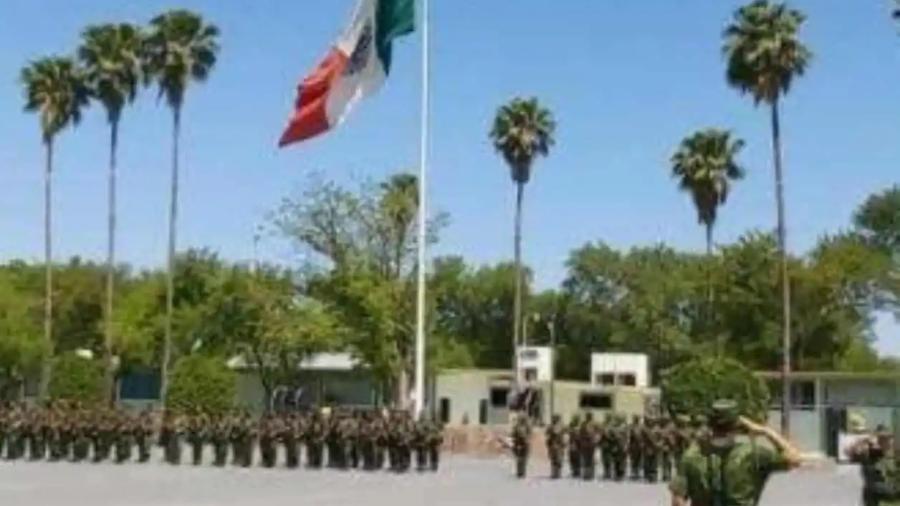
310, 117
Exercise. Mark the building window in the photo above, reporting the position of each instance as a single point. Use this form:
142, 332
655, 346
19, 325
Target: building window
595, 401
531, 374
607, 379
445, 410
528, 354
803, 394
499, 397
627, 380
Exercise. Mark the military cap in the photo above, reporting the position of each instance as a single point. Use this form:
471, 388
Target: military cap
724, 413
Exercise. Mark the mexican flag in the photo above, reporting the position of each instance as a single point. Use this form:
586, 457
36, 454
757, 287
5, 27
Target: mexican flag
355, 68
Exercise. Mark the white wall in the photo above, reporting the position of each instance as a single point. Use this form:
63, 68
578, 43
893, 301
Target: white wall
538, 358
621, 363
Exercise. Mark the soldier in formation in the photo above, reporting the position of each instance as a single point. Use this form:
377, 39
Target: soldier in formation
341, 439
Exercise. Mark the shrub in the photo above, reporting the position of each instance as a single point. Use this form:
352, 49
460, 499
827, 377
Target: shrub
77, 378
201, 383
691, 387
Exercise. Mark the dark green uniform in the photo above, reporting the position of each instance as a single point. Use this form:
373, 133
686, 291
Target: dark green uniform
574, 451
521, 444
588, 438
290, 439
219, 438
124, 441
315, 440
726, 469
555, 436
635, 447
196, 436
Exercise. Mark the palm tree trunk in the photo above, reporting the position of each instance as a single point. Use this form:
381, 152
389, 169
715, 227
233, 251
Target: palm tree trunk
170, 272
46, 367
517, 302
785, 280
109, 382
709, 289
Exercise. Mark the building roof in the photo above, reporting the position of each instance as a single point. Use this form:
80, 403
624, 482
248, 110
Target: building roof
315, 362
833, 375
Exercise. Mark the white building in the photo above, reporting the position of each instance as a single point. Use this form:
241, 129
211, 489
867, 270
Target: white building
535, 364
620, 369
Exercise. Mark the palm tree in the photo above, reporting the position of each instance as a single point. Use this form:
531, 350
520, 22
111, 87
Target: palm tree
523, 130
111, 56
705, 166
764, 56
55, 90
181, 48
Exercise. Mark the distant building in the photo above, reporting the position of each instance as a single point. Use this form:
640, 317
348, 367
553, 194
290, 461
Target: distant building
479, 396
620, 369
823, 403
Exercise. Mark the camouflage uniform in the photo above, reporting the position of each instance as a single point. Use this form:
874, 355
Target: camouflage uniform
588, 437
574, 451
725, 470
555, 436
880, 473
521, 444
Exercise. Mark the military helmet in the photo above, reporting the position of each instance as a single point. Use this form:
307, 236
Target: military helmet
724, 414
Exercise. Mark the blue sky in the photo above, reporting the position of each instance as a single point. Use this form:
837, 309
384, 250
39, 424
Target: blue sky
626, 80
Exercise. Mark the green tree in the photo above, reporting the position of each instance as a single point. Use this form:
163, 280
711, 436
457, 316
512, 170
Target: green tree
523, 130
202, 384
21, 346
111, 55
692, 387
764, 57
705, 166
181, 48
56, 92
363, 265
878, 221
77, 378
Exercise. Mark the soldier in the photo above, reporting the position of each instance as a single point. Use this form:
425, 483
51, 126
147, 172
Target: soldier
56, 434
635, 447
124, 434
219, 438
248, 435
728, 470
701, 432
683, 436
419, 443
521, 444
588, 438
574, 450
367, 441
555, 436
81, 438
652, 450
878, 465
434, 442
616, 446
196, 436
667, 447
268, 438
143, 431
315, 439
290, 438
171, 437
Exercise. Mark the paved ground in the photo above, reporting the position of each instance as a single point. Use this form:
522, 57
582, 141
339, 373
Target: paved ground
461, 482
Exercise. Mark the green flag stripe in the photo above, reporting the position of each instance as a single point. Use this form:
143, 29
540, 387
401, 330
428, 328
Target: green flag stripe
393, 18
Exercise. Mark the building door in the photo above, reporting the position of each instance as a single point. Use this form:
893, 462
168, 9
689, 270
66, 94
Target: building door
835, 423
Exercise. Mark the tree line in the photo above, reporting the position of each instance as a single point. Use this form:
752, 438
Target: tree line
354, 291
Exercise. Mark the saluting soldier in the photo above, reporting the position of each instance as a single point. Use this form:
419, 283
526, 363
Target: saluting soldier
555, 436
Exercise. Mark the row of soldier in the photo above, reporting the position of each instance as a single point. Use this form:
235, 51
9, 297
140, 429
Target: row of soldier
647, 449
341, 439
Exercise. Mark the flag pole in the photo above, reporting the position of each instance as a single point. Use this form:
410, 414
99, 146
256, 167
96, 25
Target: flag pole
423, 214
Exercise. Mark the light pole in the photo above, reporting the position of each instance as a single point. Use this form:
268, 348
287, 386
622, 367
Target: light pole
552, 328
